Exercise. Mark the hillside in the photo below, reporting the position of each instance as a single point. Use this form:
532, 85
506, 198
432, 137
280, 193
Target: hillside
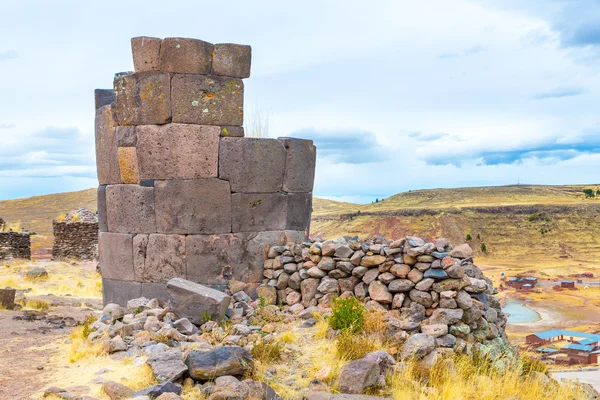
36, 213
540, 222
536, 222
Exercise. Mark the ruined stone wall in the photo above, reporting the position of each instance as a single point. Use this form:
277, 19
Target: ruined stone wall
182, 192
15, 245
76, 236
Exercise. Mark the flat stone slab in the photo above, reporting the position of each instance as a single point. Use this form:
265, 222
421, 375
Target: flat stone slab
186, 56
193, 206
232, 60
106, 146
216, 259
258, 211
158, 258
146, 53
178, 151
252, 165
130, 209
120, 292
300, 163
196, 302
116, 256
207, 100
143, 98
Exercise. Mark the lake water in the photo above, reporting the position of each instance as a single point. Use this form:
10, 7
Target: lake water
520, 313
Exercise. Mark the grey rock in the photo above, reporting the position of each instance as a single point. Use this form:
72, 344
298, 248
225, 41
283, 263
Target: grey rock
218, 362
167, 366
418, 346
194, 301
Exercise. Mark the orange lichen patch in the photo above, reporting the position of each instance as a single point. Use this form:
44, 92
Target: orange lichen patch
143, 95
128, 165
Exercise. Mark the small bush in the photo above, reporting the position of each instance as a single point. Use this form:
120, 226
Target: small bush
468, 238
483, 248
347, 314
350, 346
264, 351
589, 192
89, 320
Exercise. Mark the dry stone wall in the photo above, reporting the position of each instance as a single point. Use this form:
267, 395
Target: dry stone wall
15, 245
427, 287
182, 192
76, 235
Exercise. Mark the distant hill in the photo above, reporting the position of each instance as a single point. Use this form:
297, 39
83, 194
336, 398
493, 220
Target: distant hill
36, 214
543, 222
514, 222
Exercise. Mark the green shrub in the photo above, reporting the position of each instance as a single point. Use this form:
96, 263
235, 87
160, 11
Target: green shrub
347, 314
468, 238
589, 192
483, 248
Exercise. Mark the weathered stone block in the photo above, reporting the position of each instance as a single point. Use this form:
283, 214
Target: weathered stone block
128, 164
143, 98
299, 209
126, 136
193, 206
130, 209
252, 165
194, 301
116, 255
301, 156
157, 291
216, 259
232, 131
258, 245
158, 258
103, 97
106, 146
178, 151
232, 60
185, 56
101, 200
146, 53
7, 298
258, 211
120, 292
207, 100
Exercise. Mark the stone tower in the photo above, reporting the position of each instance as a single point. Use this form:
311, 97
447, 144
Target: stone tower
182, 192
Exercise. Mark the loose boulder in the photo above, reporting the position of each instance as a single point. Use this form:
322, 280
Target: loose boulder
196, 302
221, 361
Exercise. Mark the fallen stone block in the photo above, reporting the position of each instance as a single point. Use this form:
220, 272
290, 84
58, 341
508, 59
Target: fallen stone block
222, 361
195, 206
143, 98
178, 151
207, 100
146, 53
232, 60
196, 302
186, 56
252, 165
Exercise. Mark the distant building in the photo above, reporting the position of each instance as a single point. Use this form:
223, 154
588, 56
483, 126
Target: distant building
567, 284
587, 275
526, 283
583, 347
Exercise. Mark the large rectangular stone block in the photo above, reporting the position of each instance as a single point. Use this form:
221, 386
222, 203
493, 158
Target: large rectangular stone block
299, 209
301, 156
143, 98
120, 292
130, 209
258, 211
178, 151
258, 244
128, 164
189, 206
107, 164
146, 53
116, 255
216, 259
157, 291
103, 97
101, 201
252, 165
232, 60
185, 56
207, 100
158, 258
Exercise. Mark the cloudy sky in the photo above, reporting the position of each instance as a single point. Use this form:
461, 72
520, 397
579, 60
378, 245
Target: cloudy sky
397, 95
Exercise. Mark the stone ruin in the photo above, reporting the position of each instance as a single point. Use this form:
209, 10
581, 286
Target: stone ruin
76, 235
426, 287
14, 244
182, 192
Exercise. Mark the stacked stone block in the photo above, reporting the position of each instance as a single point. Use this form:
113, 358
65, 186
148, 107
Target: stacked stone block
76, 236
427, 287
182, 192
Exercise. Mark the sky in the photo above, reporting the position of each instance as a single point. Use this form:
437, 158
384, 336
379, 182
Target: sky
397, 95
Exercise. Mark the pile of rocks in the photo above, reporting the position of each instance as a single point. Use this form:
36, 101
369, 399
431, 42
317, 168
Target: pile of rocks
76, 235
424, 287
